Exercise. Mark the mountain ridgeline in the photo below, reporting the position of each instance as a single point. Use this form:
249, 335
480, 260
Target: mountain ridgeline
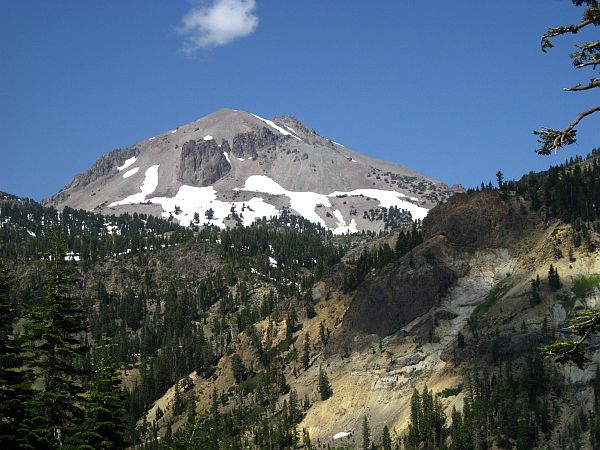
284, 333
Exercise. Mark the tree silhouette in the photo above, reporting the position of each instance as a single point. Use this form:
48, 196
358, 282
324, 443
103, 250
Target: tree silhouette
587, 55
53, 333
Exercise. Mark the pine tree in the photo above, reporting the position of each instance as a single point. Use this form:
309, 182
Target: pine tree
306, 439
324, 386
53, 331
238, 368
366, 434
322, 334
105, 421
534, 293
290, 324
306, 352
386, 439
14, 388
553, 278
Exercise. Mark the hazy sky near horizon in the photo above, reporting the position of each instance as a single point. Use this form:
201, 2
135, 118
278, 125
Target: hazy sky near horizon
450, 89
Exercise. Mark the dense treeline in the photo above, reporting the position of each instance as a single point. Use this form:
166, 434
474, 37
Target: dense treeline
167, 328
51, 397
379, 257
509, 408
25, 227
569, 192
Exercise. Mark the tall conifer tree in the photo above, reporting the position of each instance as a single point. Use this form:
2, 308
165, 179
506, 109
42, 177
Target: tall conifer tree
53, 332
14, 391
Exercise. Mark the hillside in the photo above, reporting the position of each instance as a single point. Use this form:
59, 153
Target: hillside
266, 337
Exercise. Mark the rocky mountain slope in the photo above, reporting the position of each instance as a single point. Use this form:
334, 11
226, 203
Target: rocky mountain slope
235, 167
458, 303
225, 335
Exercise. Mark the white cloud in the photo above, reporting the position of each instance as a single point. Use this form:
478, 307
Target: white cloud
218, 23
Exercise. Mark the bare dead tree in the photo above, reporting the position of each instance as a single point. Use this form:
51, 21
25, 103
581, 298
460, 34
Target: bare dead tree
586, 56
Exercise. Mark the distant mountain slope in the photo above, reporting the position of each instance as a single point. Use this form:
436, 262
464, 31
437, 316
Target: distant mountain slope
233, 167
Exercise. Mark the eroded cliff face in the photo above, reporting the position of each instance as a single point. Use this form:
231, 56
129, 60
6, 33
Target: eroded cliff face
245, 145
396, 295
202, 163
484, 220
402, 292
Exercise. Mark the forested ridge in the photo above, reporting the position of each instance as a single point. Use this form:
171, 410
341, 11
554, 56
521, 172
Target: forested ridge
156, 302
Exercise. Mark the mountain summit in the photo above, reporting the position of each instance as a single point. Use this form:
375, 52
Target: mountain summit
233, 167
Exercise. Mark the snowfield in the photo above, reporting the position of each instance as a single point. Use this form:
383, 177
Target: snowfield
148, 187
388, 199
131, 172
127, 163
191, 200
304, 203
277, 127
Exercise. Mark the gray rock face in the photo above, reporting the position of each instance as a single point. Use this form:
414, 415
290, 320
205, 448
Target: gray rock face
384, 304
101, 168
202, 163
245, 144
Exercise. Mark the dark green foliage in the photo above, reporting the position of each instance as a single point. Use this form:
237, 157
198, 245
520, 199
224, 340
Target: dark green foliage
569, 192
238, 368
306, 440
553, 278
366, 434
427, 424
450, 392
534, 292
507, 409
323, 334
306, 352
53, 332
14, 388
583, 324
105, 425
386, 439
379, 257
27, 233
290, 324
324, 385
500, 179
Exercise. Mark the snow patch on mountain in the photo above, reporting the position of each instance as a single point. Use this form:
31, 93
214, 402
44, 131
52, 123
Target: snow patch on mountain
127, 163
341, 227
190, 200
304, 203
131, 172
277, 127
388, 199
148, 187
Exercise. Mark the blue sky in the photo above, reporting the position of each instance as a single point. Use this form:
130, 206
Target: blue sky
451, 89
